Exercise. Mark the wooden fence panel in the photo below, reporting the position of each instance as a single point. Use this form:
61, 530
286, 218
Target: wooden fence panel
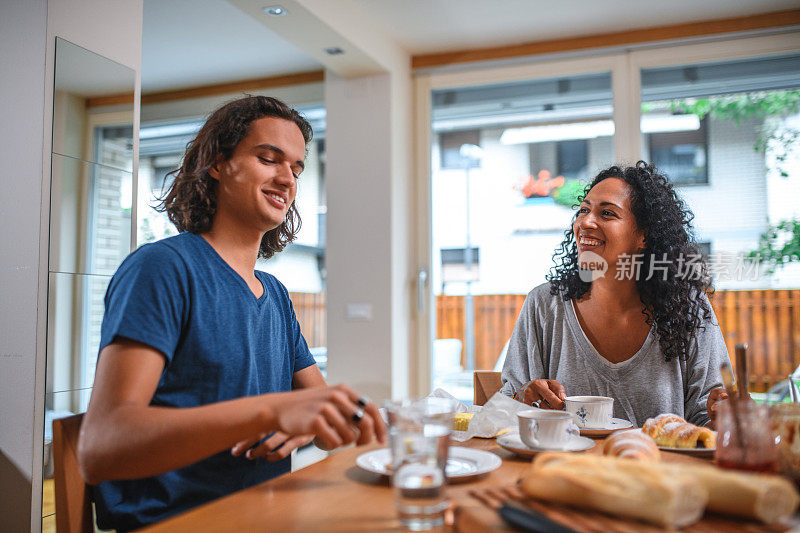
310, 311
495, 316
768, 320
765, 320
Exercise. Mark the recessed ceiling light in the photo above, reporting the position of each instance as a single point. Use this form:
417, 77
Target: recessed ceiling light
275, 11
334, 51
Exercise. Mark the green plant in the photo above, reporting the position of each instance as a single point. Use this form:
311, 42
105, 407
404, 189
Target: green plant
779, 245
569, 193
773, 139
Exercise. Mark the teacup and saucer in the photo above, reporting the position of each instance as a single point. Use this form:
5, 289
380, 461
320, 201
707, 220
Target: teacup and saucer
543, 430
593, 415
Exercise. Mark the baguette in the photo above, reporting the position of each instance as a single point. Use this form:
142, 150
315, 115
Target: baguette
763, 497
652, 491
622, 487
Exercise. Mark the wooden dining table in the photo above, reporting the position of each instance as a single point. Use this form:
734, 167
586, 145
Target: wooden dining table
335, 495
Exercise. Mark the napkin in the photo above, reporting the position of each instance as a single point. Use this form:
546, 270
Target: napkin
499, 413
460, 406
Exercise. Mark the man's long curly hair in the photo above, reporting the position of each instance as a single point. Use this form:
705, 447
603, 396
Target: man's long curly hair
191, 200
673, 303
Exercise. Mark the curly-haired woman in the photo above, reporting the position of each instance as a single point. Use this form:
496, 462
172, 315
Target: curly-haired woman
624, 313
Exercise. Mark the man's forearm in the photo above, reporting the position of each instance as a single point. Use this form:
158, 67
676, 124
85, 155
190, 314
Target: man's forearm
132, 441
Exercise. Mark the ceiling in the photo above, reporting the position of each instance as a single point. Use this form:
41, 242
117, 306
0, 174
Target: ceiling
429, 26
188, 43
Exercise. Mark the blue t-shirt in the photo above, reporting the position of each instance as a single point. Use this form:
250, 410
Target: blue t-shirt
219, 342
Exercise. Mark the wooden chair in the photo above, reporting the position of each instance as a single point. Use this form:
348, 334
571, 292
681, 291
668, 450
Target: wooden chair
485, 384
73, 508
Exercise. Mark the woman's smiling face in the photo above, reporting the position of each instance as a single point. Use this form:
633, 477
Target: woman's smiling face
605, 224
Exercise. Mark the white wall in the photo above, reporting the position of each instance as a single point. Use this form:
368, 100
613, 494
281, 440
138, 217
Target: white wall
368, 257
27, 42
22, 96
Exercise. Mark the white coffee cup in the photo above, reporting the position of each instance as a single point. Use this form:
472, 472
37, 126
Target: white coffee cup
539, 428
590, 412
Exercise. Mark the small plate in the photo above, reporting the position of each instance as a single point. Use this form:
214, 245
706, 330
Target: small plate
616, 425
695, 452
513, 443
462, 463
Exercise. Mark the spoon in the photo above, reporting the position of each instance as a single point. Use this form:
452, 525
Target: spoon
741, 370
727, 381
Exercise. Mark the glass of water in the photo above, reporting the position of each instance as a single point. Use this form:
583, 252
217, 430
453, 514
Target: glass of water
419, 436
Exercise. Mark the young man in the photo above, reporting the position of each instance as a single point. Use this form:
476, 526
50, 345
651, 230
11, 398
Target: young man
199, 351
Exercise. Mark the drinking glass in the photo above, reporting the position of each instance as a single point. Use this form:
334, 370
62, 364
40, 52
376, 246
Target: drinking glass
419, 437
746, 440
786, 423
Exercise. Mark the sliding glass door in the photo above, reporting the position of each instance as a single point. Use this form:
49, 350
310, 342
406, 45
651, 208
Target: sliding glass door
505, 152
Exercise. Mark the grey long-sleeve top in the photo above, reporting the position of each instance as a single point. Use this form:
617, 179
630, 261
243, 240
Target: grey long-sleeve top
549, 343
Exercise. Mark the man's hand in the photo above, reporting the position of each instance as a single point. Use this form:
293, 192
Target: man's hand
330, 414
716, 396
549, 392
278, 446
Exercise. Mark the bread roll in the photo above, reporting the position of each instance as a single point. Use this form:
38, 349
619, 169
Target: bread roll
632, 444
621, 487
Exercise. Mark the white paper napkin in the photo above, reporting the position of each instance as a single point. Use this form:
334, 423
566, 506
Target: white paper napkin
499, 413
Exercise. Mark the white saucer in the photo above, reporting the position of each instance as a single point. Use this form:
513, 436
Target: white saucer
616, 425
513, 443
462, 463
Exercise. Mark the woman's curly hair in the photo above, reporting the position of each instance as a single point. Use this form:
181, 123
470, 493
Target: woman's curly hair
191, 200
673, 301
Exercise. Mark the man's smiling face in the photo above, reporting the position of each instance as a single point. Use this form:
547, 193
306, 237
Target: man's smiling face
258, 184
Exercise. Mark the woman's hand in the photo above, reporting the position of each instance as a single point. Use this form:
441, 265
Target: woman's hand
549, 392
716, 396
328, 413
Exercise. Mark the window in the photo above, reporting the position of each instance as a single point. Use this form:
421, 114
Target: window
682, 155
573, 158
730, 126
450, 143
538, 138
454, 264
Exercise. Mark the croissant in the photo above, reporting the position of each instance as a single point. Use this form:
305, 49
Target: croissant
631, 444
653, 425
672, 431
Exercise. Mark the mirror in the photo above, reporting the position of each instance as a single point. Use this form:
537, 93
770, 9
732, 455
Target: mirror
91, 197
88, 88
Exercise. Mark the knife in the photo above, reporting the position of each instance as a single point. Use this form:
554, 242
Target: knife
523, 517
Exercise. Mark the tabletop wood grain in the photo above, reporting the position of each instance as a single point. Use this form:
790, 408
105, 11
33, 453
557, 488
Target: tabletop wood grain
335, 495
